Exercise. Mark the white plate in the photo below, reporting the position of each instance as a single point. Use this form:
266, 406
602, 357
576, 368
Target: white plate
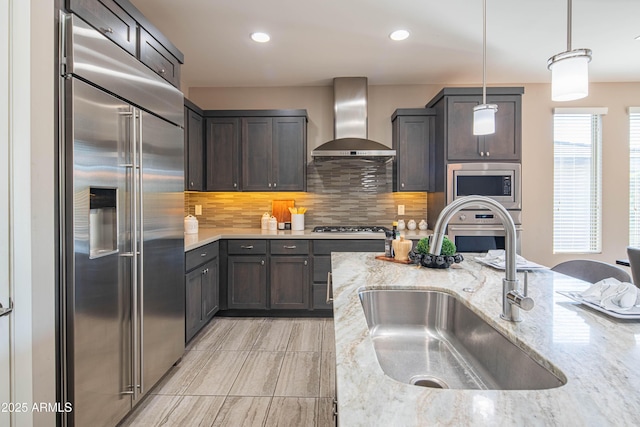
500, 265
632, 313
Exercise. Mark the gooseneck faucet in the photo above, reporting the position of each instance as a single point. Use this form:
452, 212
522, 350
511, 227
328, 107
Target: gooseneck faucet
512, 299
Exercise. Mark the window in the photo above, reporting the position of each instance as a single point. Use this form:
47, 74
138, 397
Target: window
634, 176
577, 170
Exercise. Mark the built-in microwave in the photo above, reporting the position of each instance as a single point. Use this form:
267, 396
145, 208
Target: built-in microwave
499, 181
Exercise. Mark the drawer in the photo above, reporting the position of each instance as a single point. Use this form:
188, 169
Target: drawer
155, 56
247, 247
289, 247
108, 18
325, 247
201, 255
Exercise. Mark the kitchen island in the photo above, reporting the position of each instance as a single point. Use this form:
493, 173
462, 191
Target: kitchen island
599, 356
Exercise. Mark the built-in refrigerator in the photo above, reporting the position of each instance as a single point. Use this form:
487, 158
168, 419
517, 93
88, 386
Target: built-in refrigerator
122, 204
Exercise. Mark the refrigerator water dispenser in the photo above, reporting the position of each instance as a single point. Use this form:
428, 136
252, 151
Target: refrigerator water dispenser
103, 222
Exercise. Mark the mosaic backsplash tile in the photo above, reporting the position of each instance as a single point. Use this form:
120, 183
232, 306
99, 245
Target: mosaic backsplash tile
344, 192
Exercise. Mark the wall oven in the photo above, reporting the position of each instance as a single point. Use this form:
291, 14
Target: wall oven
499, 181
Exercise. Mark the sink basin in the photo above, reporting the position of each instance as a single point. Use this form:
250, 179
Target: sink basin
431, 339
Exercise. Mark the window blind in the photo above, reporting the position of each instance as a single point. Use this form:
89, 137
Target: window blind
577, 217
634, 178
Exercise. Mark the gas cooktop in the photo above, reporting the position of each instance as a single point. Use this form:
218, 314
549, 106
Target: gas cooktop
349, 229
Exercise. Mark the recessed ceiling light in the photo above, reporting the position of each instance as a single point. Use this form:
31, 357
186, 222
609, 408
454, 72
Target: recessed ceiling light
260, 37
398, 35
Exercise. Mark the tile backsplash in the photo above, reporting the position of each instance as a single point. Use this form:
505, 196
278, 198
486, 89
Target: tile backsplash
344, 192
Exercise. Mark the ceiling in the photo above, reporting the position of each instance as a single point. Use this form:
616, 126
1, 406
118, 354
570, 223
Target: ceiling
313, 41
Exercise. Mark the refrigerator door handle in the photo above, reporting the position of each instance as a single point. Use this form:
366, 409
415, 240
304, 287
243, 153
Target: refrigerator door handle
140, 252
134, 259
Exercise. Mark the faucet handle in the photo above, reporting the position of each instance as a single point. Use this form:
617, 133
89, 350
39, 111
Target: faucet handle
524, 302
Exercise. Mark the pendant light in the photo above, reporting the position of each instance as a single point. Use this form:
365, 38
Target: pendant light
484, 115
569, 70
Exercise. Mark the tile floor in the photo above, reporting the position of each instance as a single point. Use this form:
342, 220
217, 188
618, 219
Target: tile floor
248, 372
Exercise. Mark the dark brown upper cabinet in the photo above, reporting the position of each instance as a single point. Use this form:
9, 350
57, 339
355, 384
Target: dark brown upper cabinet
125, 25
256, 150
110, 19
413, 134
194, 147
454, 125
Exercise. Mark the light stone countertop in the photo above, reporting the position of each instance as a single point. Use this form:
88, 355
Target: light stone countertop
210, 235
599, 355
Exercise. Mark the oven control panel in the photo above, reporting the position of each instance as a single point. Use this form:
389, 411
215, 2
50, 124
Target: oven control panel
475, 217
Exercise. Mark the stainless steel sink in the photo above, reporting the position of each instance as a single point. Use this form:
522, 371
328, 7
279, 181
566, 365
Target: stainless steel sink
431, 339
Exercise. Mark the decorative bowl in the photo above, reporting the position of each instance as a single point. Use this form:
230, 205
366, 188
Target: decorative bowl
435, 261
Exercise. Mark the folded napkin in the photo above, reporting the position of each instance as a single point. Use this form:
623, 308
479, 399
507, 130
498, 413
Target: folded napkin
612, 294
497, 255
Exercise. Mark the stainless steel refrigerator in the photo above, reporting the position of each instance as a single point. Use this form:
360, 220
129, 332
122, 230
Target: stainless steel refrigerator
122, 208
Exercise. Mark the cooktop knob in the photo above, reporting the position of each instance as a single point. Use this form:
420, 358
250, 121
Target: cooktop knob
463, 217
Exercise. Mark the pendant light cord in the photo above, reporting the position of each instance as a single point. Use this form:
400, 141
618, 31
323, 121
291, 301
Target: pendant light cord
484, 50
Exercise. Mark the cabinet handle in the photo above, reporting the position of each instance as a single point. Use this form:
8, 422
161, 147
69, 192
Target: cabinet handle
107, 30
235, 185
402, 185
192, 183
482, 154
247, 246
289, 247
203, 255
205, 271
487, 154
306, 262
269, 185
274, 185
262, 262
329, 298
162, 71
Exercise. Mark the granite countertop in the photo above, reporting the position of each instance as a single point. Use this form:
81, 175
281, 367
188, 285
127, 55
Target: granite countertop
210, 235
599, 355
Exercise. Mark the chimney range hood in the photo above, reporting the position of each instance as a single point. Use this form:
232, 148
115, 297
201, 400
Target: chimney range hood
350, 125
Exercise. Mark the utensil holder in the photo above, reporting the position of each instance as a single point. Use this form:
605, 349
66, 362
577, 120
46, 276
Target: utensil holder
297, 222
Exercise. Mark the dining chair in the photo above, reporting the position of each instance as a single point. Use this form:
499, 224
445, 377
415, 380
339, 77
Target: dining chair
592, 271
634, 260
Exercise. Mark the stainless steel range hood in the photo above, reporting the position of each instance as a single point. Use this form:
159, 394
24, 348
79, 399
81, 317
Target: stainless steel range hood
350, 125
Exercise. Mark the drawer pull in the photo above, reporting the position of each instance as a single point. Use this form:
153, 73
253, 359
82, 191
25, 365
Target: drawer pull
247, 246
162, 71
107, 30
289, 247
306, 262
203, 255
262, 262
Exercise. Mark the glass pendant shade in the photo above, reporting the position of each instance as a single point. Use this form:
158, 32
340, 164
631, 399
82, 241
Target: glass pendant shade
484, 119
570, 75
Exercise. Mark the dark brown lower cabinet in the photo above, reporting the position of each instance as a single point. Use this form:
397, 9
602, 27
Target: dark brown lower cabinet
289, 284
202, 288
247, 281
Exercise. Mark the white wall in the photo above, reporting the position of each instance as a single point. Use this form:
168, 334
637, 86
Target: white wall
537, 139
43, 203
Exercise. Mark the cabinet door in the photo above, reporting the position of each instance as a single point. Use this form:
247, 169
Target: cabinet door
257, 135
222, 154
462, 144
110, 19
289, 283
247, 282
413, 159
505, 144
289, 154
193, 309
194, 150
155, 56
210, 290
